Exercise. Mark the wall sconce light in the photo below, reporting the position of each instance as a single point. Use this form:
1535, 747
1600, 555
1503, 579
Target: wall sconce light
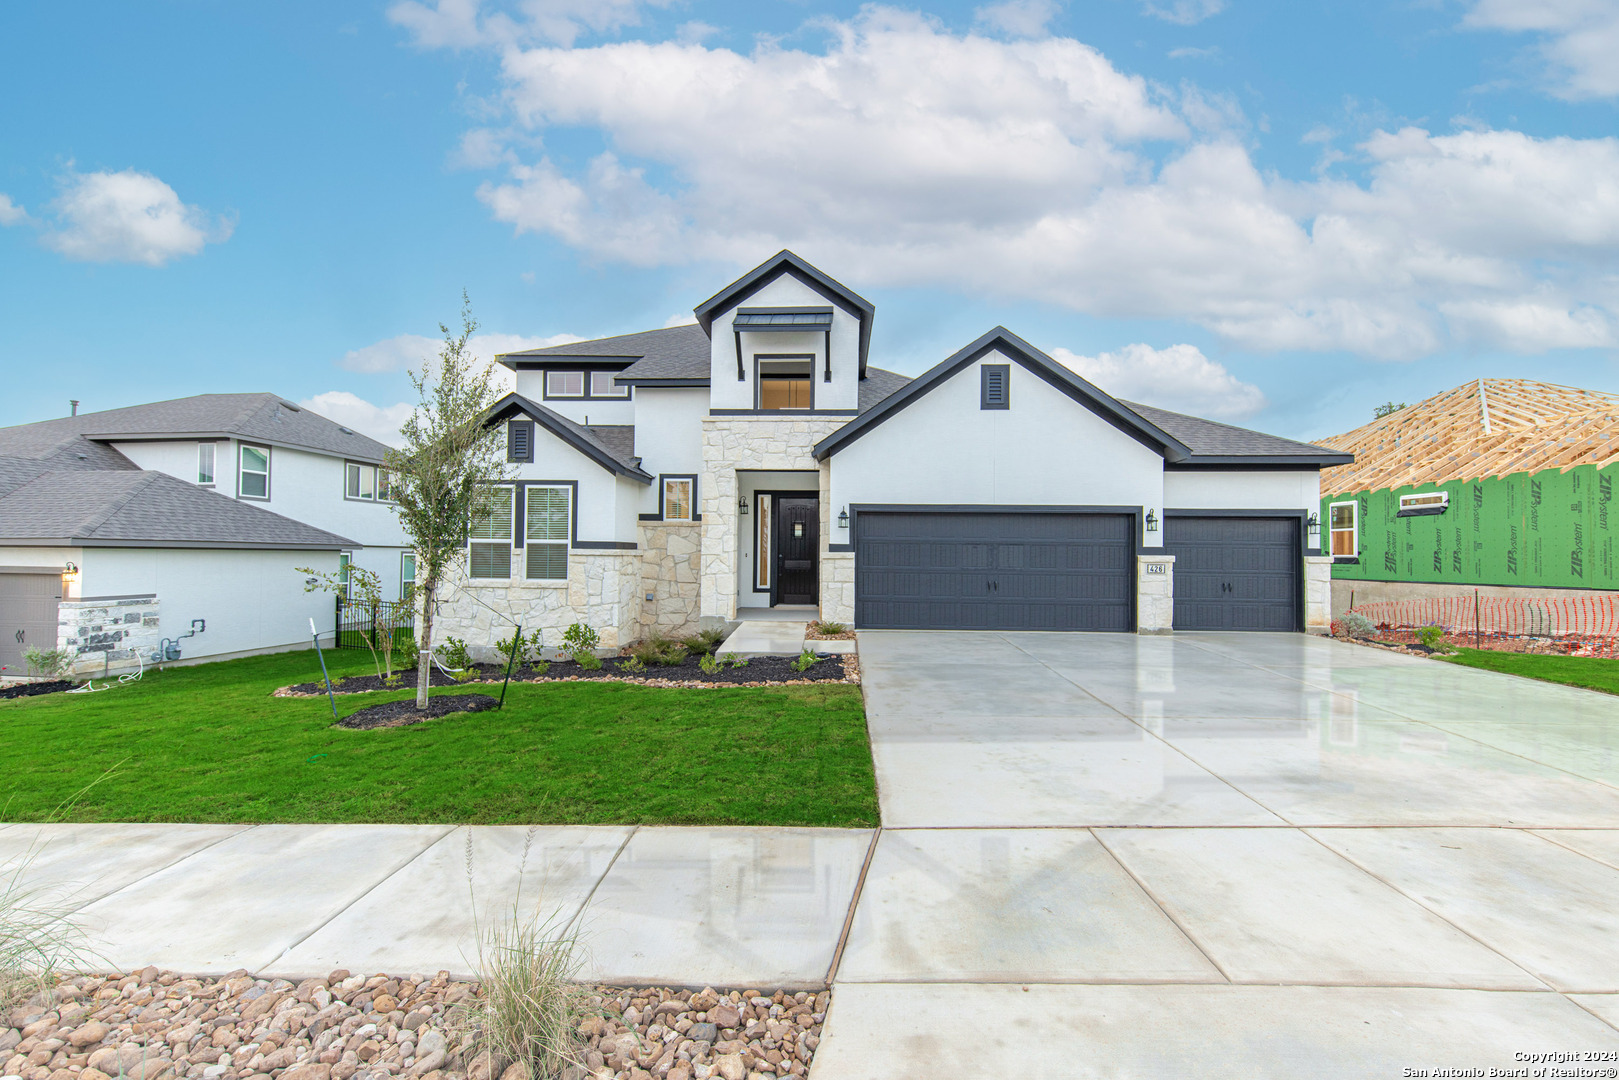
71, 571
742, 506
1312, 526
843, 518
1152, 521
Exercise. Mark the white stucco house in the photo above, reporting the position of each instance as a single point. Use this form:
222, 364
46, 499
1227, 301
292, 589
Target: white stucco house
682, 477
182, 522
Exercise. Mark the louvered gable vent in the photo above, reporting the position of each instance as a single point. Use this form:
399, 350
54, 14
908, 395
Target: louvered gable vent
995, 389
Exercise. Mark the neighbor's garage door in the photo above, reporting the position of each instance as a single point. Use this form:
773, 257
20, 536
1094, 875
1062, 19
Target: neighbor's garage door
28, 605
994, 571
1235, 573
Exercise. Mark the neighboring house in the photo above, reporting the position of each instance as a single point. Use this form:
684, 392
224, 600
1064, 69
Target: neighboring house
125, 529
1501, 484
682, 477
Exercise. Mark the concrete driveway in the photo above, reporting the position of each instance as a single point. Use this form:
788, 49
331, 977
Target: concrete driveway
1225, 855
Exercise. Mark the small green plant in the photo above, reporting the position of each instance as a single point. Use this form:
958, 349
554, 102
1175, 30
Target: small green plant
579, 641
50, 662
704, 641
453, 654
1433, 639
660, 652
806, 660
634, 665
588, 660
539, 667
708, 665
734, 660
1357, 625
829, 629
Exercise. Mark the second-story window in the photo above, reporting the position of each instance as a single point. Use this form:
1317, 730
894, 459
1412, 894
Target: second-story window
205, 463
254, 476
368, 482
564, 384
602, 385
786, 384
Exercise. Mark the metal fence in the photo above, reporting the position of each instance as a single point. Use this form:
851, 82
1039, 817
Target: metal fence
1504, 622
359, 623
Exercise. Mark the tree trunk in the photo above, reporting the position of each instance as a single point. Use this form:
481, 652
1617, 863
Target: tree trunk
424, 642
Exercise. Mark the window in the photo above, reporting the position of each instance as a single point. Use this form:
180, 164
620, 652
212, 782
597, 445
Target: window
490, 554
786, 384
366, 482
677, 500
520, 440
205, 463
407, 574
1343, 523
564, 384
1429, 502
345, 564
762, 558
254, 482
385, 490
602, 385
995, 386
547, 534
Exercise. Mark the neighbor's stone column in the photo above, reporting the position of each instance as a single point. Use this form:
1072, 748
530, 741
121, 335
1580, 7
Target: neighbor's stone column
1318, 594
1155, 594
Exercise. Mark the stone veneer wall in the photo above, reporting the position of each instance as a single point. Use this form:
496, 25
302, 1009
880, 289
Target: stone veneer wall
1317, 594
108, 634
1155, 594
671, 566
731, 443
601, 591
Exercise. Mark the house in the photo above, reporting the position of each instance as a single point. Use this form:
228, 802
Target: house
688, 476
177, 525
1504, 485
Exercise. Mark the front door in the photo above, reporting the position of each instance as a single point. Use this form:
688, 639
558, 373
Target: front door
798, 529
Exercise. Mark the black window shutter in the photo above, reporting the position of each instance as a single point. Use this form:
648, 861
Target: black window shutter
995, 388
520, 440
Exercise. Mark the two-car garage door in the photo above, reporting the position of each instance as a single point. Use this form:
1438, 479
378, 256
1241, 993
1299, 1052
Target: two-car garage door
968, 570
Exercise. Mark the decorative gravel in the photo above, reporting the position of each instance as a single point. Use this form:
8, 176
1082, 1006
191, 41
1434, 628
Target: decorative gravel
405, 713
34, 689
158, 1025
758, 671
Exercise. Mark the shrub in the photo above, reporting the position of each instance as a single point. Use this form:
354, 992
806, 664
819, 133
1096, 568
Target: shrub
708, 664
1356, 625
706, 641
1433, 638
830, 629
660, 652
589, 661
453, 654
634, 665
579, 641
806, 660
52, 662
734, 660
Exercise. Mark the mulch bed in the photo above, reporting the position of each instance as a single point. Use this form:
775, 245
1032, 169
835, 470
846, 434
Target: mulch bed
404, 713
758, 671
34, 689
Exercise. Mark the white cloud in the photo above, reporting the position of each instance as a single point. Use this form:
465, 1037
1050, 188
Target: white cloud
905, 154
464, 24
1020, 18
1580, 39
1183, 12
129, 216
1179, 378
381, 422
1189, 53
10, 212
407, 351
680, 318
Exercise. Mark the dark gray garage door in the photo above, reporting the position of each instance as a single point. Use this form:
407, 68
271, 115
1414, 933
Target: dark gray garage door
28, 604
1235, 573
993, 571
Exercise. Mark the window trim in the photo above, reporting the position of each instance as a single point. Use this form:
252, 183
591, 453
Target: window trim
764, 552
547, 394
1353, 530
517, 541
696, 499
529, 542
759, 380
403, 557
241, 452
1422, 504
590, 389
377, 472
213, 464
345, 577
984, 400
664, 480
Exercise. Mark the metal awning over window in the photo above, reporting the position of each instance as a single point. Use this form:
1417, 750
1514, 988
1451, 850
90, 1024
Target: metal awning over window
787, 320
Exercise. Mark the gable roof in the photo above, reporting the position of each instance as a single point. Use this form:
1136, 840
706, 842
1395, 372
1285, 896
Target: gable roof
877, 385
609, 445
1214, 443
1486, 427
1014, 348
138, 508
672, 356
264, 418
785, 262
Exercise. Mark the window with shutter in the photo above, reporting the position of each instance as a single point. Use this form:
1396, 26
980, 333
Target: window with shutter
995, 386
490, 554
548, 526
520, 440
677, 501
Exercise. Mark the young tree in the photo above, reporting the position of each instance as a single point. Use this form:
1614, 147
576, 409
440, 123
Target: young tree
443, 475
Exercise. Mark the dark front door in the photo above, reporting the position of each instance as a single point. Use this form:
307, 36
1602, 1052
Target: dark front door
1235, 573
995, 571
798, 529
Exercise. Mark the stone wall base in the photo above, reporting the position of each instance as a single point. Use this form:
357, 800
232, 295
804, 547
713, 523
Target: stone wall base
107, 635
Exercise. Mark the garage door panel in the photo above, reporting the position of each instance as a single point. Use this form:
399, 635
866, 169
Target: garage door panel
1024, 571
1235, 573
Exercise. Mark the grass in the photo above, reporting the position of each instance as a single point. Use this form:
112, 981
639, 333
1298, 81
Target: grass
1593, 673
210, 744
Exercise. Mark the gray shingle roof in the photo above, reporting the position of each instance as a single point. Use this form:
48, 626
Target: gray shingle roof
118, 508
617, 439
675, 352
877, 385
254, 417
612, 446
1210, 438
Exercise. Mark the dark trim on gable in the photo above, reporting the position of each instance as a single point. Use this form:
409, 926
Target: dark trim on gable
562, 428
1241, 464
785, 262
1015, 348
1226, 461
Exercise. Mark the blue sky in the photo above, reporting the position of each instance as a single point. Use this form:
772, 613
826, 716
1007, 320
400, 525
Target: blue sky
1280, 213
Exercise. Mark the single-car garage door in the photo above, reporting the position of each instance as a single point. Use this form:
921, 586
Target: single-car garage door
28, 603
1235, 573
974, 570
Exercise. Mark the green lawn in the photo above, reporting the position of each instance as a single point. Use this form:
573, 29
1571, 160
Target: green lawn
1590, 672
210, 743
